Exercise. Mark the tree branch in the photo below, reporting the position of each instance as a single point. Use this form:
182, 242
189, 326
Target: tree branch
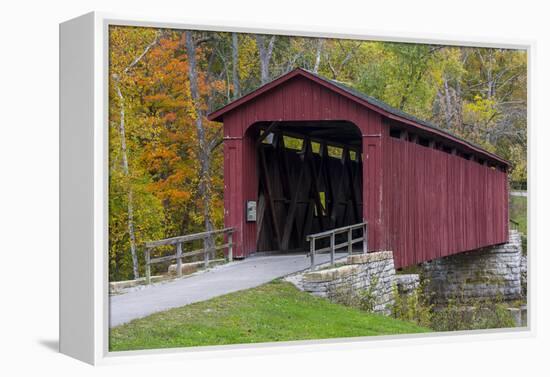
145, 51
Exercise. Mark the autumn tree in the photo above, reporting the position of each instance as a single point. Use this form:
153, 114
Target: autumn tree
122, 65
166, 164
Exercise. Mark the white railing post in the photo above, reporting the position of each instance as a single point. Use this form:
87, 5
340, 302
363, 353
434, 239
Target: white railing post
350, 244
363, 226
332, 236
178, 259
365, 239
230, 246
206, 251
147, 266
312, 252
179, 255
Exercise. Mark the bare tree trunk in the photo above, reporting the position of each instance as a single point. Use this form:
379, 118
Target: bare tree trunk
448, 105
126, 170
203, 150
265, 56
320, 43
124, 152
235, 54
490, 79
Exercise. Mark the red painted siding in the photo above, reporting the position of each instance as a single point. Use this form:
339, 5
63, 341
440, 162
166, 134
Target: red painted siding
420, 202
437, 204
297, 100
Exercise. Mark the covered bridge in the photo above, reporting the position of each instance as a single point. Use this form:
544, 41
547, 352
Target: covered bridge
304, 154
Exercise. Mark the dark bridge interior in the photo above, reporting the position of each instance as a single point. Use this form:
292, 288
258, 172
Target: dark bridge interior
310, 180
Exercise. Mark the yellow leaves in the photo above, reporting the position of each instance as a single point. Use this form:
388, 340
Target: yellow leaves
480, 111
248, 57
126, 43
518, 157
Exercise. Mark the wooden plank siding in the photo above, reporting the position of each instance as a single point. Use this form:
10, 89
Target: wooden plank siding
437, 204
419, 201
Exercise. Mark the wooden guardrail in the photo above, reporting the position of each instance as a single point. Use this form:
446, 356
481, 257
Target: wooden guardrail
350, 241
179, 254
514, 224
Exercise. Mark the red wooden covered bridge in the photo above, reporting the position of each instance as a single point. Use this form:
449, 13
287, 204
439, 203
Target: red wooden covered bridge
304, 154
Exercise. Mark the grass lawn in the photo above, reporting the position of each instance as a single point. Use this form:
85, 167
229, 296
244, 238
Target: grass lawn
273, 312
518, 212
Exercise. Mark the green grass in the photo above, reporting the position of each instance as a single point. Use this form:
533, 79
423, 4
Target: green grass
518, 212
273, 312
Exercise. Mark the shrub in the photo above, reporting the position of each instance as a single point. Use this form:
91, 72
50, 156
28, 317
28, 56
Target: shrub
472, 315
414, 307
346, 294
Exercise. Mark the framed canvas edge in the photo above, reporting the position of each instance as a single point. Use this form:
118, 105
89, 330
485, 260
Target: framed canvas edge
102, 21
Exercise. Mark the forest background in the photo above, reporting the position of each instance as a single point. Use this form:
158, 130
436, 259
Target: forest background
166, 158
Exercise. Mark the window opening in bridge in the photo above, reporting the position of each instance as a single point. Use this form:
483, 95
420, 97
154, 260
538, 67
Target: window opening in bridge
335, 152
447, 149
268, 139
316, 147
293, 143
353, 155
425, 142
396, 133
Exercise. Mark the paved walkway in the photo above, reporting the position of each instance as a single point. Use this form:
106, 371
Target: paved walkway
230, 277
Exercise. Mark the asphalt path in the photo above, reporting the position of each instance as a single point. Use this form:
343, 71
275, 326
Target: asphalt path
235, 276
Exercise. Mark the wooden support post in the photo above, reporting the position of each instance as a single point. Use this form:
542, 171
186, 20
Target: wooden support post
312, 253
269, 195
339, 190
349, 170
350, 245
324, 171
291, 213
206, 252
230, 247
178, 259
365, 239
147, 266
332, 236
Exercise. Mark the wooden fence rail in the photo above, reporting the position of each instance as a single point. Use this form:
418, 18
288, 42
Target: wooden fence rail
179, 254
514, 225
312, 238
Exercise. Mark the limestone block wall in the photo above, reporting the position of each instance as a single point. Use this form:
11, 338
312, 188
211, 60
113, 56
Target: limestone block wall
481, 274
366, 277
407, 283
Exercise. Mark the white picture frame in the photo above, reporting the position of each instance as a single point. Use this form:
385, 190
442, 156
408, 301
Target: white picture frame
84, 308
